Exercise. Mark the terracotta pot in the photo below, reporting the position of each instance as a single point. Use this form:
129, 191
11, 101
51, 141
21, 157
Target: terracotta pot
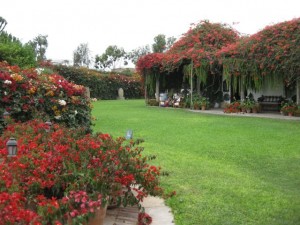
98, 219
203, 107
196, 106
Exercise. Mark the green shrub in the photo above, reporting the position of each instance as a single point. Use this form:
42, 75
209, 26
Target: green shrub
15, 53
102, 85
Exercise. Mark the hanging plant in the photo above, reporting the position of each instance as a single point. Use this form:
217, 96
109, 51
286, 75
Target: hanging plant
270, 55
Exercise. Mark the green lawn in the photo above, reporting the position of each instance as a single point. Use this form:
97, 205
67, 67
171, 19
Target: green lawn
225, 169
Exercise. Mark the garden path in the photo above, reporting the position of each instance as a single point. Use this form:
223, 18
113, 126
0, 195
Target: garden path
273, 115
154, 206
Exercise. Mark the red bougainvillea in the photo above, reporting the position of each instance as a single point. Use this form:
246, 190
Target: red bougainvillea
199, 43
62, 172
274, 51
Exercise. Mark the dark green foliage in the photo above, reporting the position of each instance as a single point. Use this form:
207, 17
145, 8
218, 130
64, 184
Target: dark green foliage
110, 57
15, 53
159, 44
102, 86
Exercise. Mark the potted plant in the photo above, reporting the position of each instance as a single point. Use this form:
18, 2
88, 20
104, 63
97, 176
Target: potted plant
256, 108
204, 102
196, 101
248, 104
288, 108
297, 111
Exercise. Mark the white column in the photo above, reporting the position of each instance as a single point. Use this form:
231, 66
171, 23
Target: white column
242, 89
157, 88
298, 92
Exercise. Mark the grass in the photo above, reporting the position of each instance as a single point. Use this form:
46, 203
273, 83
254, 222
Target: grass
225, 170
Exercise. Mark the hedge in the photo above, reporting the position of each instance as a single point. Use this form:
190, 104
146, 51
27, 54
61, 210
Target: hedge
102, 86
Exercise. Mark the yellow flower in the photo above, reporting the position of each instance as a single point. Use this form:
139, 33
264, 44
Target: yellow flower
32, 90
50, 93
16, 77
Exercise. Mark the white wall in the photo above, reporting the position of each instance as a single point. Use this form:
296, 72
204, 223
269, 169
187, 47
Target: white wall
267, 90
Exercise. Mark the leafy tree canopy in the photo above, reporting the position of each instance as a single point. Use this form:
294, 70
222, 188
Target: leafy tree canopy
159, 44
40, 44
135, 54
16, 53
81, 56
110, 57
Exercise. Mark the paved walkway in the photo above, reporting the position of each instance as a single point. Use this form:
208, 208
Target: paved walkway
272, 115
154, 206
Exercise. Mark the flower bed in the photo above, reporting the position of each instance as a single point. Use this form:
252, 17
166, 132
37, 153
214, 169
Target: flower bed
64, 173
25, 94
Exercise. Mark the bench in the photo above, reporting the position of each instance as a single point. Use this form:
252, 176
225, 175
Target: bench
270, 103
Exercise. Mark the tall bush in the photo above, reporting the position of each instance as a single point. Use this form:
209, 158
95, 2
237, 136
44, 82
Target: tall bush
63, 173
16, 53
102, 86
26, 95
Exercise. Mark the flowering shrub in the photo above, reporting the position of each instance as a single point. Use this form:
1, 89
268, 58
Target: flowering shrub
272, 53
144, 219
234, 107
102, 86
288, 107
197, 45
194, 51
65, 173
25, 95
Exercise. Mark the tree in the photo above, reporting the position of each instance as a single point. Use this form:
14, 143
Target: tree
170, 42
3, 23
14, 52
159, 43
135, 54
81, 56
39, 44
110, 57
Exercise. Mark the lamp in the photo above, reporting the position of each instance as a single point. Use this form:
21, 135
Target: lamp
48, 126
129, 134
12, 147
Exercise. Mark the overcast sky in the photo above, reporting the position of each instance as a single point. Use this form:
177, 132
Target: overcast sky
132, 23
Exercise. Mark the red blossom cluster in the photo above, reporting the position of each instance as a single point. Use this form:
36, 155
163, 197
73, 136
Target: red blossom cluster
234, 107
272, 51
199, 43
144, 219
26, 94
151, 61
65, 172
12, 210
